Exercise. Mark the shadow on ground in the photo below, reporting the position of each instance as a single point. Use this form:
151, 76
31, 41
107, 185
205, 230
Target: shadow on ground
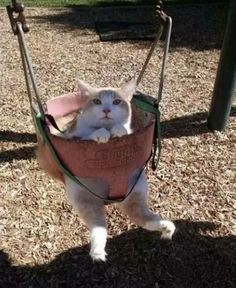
197, 27
138, 258
185, 126
17, 137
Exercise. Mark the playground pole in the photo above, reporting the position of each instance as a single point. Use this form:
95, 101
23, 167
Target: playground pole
225, 82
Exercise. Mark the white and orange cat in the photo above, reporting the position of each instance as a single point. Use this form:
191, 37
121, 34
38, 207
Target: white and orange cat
107, 113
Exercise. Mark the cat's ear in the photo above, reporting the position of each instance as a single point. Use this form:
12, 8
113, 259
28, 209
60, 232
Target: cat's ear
128, 89
85, 89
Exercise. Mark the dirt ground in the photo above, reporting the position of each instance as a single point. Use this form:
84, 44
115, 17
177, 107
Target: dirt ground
43, 242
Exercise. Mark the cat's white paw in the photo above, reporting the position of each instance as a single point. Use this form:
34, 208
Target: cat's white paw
166, 227
101, 135
98, 243
118, 131
98, 255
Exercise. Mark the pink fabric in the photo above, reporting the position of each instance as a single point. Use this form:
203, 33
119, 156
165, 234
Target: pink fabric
64, 104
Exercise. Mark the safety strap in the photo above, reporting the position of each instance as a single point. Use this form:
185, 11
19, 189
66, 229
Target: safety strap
52, 121
142, 103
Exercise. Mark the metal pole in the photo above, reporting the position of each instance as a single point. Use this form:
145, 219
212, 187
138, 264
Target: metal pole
225, 83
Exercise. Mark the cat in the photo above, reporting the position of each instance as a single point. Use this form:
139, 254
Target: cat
107, 113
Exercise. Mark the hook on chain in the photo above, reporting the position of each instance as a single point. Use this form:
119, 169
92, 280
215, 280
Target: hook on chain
160, 13
17, 8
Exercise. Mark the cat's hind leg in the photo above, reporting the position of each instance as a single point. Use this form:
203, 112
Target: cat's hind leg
135, 206
92, 212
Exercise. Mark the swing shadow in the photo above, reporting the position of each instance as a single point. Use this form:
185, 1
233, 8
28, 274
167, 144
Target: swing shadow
198, 26
138, 258
188, 125
23, 153
17, 137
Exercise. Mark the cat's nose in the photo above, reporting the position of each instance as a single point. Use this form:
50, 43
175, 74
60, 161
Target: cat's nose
106, 111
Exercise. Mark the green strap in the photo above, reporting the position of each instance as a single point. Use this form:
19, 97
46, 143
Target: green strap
156, 141
142, 103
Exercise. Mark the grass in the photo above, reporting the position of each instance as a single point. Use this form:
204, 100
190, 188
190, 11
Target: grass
64, 3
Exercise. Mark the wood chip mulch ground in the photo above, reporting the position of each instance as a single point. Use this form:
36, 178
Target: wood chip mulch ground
43, 242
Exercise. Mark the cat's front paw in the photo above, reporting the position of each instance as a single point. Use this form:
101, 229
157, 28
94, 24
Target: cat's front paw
118, 131
98, 255
167, 229
101, 135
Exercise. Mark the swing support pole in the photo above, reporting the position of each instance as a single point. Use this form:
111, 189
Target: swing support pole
225, 83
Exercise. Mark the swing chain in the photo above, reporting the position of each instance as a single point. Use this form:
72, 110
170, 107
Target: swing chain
17, 8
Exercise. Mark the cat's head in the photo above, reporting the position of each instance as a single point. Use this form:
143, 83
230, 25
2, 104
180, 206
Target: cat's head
107, 106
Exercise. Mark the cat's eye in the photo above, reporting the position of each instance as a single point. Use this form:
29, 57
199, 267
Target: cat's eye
116, 101
97, 101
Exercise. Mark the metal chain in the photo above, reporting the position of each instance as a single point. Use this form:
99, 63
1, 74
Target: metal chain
166, 22
164, 62
149, 55
28, 70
